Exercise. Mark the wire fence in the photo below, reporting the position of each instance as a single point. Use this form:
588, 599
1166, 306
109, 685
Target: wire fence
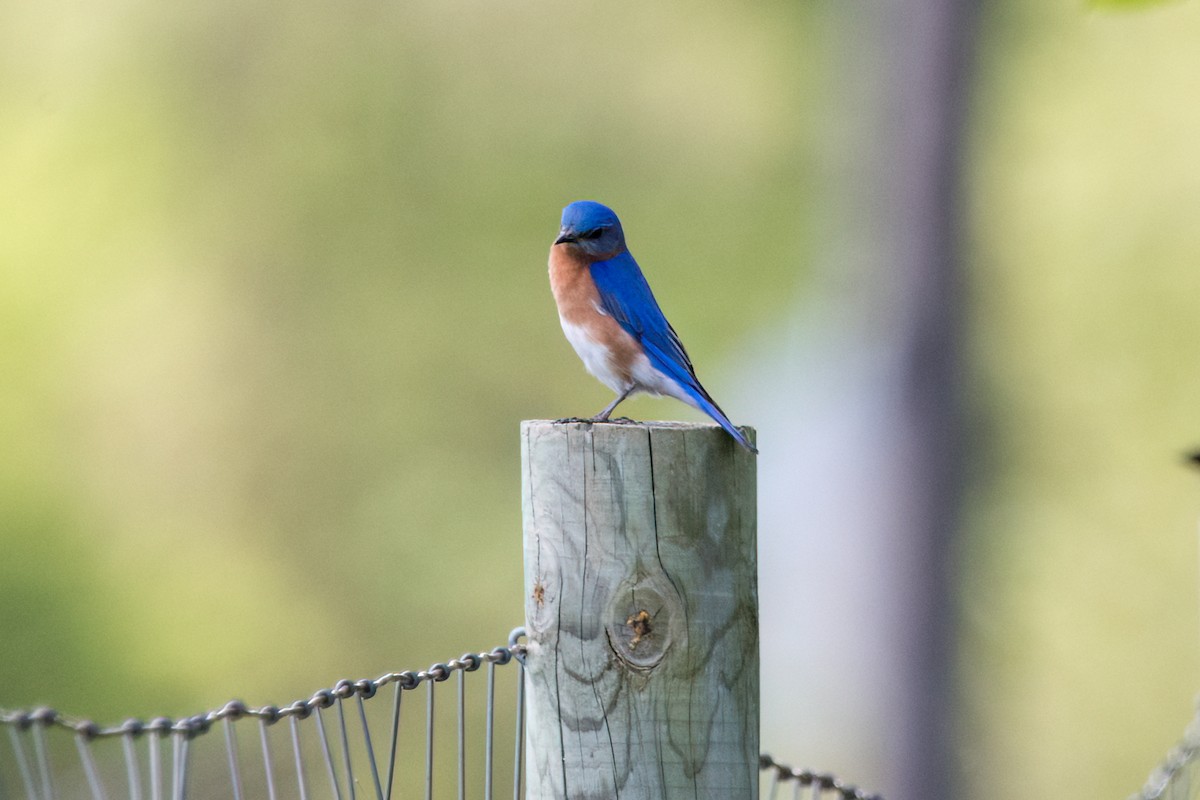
1178, 776
817, 785
326, 746
334, 745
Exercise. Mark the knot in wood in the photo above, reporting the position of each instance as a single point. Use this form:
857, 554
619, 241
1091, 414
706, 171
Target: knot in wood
644, 620
640, 624
545, 585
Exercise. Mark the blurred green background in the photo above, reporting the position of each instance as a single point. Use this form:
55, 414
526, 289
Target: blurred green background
273, 301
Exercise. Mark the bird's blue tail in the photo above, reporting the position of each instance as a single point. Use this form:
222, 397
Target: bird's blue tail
679, 371
706, 404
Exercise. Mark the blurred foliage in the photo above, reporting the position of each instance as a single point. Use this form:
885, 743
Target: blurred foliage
273, 300
273, 297
1128, 4
1080, 596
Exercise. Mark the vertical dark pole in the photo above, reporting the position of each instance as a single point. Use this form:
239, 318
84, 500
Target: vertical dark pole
927, 51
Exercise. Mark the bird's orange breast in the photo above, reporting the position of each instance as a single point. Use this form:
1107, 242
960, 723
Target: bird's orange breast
579, 305
574, 290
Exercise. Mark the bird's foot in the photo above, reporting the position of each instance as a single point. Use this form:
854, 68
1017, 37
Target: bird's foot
565, 420
623, 421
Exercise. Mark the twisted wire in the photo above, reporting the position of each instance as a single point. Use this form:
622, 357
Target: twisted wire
189, 727
1178, 761
823, 781
184, 729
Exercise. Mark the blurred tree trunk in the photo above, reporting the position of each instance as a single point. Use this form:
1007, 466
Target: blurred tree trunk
925, 60
860, 394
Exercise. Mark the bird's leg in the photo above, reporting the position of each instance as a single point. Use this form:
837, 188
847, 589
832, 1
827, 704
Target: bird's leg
604, 415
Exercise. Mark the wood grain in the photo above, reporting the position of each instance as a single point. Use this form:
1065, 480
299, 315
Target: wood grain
641, 612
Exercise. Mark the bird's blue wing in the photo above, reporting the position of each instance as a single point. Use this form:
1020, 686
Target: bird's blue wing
627, 298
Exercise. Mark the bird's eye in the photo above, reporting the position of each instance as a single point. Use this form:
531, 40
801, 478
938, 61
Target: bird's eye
593, 234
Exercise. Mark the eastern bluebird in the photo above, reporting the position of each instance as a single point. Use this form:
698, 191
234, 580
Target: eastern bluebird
611, 318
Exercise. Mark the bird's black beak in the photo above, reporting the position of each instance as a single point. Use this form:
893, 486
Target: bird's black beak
565, 236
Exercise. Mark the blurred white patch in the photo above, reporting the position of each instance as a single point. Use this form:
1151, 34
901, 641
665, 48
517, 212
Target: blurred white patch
831, 553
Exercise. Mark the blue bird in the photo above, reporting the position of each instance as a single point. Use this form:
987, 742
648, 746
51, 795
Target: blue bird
612, 320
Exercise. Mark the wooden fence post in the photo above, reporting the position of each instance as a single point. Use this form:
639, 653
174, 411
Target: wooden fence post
641, 608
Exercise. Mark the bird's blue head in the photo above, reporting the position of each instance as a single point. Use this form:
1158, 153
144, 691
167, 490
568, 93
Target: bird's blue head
593, 228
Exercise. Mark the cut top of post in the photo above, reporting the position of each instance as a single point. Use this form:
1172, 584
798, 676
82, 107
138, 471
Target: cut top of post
667, 431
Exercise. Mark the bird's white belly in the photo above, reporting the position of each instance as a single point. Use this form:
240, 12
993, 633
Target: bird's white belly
595, 355
652, 382
598, 360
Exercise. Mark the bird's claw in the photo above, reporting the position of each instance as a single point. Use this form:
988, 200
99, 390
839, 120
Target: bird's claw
565, 420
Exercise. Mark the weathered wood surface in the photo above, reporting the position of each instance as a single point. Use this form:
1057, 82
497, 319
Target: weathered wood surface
641, 612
